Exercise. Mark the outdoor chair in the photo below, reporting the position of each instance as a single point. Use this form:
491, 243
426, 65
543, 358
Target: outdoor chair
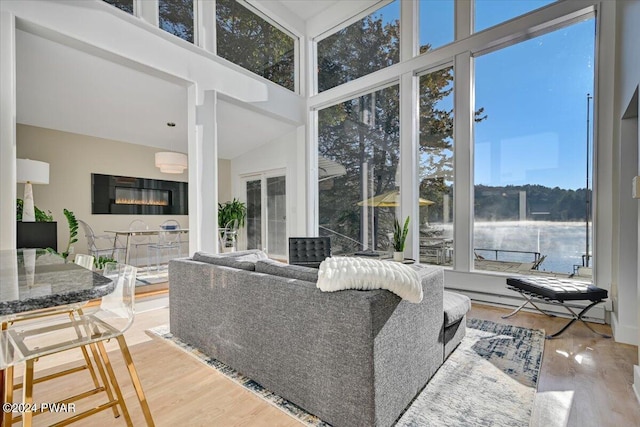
29, 342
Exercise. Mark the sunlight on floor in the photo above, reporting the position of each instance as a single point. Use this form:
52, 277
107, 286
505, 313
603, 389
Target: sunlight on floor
552, 409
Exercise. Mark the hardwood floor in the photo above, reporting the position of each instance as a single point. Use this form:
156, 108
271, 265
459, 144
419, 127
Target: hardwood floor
585, 380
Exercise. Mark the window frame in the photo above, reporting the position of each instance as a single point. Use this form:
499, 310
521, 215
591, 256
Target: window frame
297, 51
461, 52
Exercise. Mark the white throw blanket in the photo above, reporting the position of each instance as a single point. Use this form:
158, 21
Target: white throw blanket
339, 273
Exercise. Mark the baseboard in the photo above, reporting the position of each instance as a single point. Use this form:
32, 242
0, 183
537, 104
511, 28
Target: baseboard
623, 333
636, 381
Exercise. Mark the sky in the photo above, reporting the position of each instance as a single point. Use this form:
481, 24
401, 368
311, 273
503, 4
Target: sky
534, 94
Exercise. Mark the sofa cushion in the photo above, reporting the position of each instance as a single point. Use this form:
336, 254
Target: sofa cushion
277, 268
244, 260
455, 307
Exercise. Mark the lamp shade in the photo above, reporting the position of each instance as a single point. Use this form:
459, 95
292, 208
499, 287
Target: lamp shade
170, 162
32, 171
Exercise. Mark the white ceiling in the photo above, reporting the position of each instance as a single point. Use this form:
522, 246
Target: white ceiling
306, 9
62, 88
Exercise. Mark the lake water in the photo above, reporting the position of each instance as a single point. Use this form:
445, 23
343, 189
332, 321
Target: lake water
563, 243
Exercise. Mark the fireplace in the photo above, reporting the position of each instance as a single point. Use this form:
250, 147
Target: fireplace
126, 195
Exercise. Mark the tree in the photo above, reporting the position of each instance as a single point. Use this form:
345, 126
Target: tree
176, 17
246, 39
367, 129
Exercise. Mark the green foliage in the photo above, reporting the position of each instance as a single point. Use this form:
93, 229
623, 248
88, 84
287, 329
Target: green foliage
176, 17
41, 216
230, 211
247, 40
100, 262
400, 234
73, 232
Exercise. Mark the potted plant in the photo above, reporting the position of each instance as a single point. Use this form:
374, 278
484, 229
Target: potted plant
399, 239
231, 215
230, 211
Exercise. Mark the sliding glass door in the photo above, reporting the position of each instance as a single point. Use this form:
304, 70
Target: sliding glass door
267, 213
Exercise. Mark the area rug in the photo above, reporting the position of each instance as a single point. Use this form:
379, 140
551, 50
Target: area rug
489, 380
150, 276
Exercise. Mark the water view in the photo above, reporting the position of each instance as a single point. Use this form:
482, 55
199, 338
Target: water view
563, 243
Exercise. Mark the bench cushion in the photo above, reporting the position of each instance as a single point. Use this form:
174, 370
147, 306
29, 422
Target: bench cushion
558, 289
455, 307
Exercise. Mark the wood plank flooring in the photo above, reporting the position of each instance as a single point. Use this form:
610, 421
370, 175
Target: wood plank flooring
585, 381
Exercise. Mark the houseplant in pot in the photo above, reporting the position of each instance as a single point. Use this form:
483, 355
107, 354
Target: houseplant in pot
399, 239
231, 216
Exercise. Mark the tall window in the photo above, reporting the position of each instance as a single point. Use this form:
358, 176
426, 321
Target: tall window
492, 12
126, 5
436, 167
248, 40
436, 23
368, 45
359, 141
176, 17
532, 192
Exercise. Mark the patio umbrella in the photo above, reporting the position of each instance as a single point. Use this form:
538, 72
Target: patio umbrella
390, 199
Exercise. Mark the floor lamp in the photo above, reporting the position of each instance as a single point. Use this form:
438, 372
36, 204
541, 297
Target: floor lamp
30, 172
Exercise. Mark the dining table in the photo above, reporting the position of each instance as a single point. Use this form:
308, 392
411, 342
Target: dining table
128, 234
35, 281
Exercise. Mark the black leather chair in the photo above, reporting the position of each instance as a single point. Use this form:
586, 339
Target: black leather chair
309, 251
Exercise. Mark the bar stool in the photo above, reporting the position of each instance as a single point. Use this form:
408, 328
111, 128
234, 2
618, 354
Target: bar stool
29, 342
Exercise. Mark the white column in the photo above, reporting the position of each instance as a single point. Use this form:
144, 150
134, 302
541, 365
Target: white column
463, 18
409, 161
148, 10
463, 163
409, 12
206, 11
7, 131
203, 172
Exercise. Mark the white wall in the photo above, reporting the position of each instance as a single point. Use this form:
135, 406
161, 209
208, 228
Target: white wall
625, 317
224, 180
627, 83
286, 152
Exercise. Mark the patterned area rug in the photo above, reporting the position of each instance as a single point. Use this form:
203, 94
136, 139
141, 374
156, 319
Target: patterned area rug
489, 380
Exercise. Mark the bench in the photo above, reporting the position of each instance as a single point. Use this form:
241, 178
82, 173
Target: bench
557, 291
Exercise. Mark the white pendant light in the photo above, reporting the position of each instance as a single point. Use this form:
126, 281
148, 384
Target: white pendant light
170, 162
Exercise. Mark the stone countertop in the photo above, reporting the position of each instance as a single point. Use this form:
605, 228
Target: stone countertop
28, 284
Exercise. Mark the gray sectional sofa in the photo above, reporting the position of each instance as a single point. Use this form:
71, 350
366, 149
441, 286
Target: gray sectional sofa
352, 358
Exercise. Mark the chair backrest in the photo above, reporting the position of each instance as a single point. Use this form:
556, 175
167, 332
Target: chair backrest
138, 225
121, 302
309, 251
89, 234
84, 260
169, 237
